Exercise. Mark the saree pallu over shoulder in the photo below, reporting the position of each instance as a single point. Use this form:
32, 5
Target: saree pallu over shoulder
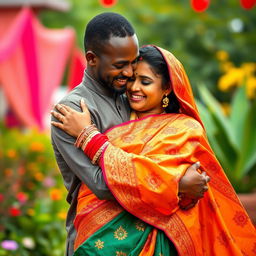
142, 167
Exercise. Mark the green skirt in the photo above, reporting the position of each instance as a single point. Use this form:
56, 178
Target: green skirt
125, 235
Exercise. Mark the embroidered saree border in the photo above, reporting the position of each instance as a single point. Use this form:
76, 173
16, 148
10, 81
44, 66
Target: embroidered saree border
120, 174
88, 222
173, 226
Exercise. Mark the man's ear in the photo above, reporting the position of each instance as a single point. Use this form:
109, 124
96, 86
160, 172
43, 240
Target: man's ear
91, 58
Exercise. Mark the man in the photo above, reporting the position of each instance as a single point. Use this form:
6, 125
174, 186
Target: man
111, 47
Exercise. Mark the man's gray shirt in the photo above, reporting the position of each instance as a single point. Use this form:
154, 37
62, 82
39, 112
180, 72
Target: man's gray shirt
107, 109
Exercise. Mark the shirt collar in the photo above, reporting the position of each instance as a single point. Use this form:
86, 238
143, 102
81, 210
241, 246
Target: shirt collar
97, 87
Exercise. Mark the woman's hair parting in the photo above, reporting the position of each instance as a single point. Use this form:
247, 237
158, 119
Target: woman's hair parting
155, 59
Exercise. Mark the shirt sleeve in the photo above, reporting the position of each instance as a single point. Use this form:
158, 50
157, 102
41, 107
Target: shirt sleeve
74, 160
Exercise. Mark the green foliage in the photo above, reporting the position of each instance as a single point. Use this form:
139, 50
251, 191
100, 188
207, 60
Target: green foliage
194, 38
32, 195
232, 137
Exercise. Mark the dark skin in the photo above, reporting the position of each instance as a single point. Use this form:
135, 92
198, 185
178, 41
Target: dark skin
112, 67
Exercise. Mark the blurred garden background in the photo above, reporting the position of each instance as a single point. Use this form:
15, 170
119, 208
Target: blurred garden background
41, 58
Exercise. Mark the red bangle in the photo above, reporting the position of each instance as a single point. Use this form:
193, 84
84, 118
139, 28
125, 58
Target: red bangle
95, 144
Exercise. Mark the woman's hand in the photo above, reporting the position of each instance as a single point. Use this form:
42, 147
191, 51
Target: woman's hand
71, 121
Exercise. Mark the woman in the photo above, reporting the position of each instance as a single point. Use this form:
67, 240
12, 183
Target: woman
142, 161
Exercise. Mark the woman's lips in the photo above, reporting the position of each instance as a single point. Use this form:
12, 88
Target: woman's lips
136, 98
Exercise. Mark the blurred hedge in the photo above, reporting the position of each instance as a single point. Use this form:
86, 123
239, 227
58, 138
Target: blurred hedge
32, 196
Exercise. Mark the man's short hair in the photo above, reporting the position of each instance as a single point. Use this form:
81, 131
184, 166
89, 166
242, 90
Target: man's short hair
102, 27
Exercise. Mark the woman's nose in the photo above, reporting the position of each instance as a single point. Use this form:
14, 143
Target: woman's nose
135, 86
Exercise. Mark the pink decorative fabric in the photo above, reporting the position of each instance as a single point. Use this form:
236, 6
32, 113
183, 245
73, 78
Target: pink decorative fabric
32, 63
76, 70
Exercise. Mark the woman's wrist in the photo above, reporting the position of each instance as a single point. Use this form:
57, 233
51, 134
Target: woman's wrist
92, 142
84, 134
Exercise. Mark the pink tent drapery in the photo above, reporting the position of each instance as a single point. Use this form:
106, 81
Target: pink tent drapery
77, 67
32, 63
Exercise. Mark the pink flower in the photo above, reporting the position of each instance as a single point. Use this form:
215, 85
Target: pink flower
22, 197
9, 245
49, 182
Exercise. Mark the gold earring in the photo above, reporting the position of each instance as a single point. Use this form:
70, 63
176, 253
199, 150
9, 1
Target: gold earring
165, 101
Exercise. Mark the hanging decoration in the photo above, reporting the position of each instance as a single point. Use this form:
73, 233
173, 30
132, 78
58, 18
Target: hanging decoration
248, 4
200, 5
108, 3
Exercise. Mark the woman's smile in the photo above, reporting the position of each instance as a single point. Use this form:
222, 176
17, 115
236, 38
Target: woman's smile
136, 97
144, 91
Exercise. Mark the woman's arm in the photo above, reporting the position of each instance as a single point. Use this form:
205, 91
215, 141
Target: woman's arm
192, 185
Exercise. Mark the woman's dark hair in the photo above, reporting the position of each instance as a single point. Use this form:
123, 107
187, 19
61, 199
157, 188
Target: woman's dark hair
155, 59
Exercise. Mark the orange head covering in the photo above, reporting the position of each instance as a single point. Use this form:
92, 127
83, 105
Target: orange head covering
180, 84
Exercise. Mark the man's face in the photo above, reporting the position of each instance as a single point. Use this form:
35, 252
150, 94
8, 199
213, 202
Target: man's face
117, 61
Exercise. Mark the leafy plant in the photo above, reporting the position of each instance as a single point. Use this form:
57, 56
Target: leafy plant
232, 137
32, 198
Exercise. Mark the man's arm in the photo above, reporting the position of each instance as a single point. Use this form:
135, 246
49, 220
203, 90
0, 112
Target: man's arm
78, 163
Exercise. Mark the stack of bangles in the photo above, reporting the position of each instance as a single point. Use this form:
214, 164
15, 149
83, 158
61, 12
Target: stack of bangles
92, 142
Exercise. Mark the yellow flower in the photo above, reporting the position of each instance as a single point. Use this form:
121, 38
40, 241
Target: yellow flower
251, 87
36, 146
11, 153
38, 176
234, 77
55, 194
249, 68
31, 212
222, 55
62, 215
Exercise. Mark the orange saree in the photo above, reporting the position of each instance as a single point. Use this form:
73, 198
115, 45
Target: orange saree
142, 167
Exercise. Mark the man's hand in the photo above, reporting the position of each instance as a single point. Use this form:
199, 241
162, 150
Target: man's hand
192, 186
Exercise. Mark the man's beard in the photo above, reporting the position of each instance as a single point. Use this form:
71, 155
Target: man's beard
111, 87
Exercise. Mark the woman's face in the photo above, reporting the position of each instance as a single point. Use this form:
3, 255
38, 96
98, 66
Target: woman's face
144, 91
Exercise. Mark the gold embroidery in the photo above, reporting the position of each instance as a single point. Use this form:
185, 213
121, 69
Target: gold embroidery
99, 244
154, 181
89, 222
120, 233
126, 173
140, 226
121, 253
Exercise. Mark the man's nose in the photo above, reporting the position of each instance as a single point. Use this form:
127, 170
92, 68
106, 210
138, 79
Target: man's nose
128, 71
